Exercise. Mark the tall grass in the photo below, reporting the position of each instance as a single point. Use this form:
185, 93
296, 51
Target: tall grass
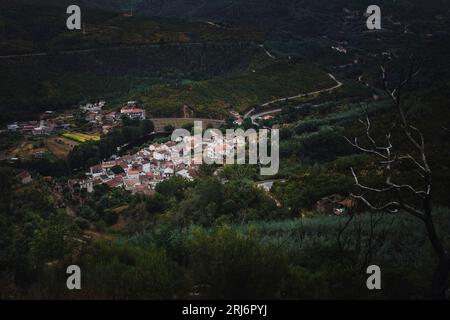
400, 237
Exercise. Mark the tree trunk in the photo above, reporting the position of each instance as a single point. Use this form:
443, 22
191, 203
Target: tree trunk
441, 273
440, 278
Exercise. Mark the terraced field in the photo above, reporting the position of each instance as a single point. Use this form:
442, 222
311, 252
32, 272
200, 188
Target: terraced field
60, 146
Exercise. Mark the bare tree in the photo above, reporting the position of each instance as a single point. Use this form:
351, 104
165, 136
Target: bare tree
418, 202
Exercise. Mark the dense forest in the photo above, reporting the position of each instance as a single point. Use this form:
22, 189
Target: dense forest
217, 255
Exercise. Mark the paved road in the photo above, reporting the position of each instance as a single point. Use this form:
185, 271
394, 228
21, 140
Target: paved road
267, 52
262, 114
338, 84
249, 112
268, 112
211, 23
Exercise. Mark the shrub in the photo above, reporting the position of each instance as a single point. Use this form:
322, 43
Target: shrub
120, 271
227, 264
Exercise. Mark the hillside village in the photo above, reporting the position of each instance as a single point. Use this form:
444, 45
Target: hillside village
47, 124
57, 133
49, 121
142, 171
93, 113
139, 172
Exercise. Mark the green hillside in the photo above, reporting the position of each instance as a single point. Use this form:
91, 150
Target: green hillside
51, 68
59, 82
168, 63
261, 82
41, 27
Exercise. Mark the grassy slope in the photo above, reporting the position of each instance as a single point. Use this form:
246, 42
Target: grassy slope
263, 81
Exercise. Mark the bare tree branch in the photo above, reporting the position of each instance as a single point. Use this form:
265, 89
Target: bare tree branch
409, 157
420, 161
392, 207
358, 146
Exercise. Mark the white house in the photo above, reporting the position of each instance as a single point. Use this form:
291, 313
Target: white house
168, 172
133, 174
158, 156
133, 113
146, 167
96, 171
13, 127
185, 174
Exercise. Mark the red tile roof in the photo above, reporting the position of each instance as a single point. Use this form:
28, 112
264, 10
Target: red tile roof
23, 175
134, 110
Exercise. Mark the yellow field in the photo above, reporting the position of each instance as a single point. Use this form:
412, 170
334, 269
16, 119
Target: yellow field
119, 209
81, 137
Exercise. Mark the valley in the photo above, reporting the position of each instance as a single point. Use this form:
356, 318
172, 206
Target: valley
90, 175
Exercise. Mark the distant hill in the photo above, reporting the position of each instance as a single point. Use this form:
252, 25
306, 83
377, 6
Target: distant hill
36, 27
49, 67
282, 18
168, 62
